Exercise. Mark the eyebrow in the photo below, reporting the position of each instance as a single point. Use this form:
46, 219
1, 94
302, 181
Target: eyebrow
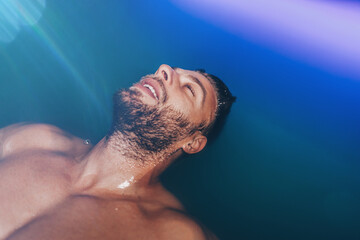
197, 81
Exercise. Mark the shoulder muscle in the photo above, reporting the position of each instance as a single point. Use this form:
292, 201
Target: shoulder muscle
21, 137
176, 225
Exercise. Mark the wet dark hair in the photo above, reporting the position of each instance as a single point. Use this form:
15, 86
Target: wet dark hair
224, 102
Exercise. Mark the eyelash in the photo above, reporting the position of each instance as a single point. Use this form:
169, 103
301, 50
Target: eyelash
191, 89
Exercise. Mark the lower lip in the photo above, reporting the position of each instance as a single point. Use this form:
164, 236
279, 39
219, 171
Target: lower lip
148, 91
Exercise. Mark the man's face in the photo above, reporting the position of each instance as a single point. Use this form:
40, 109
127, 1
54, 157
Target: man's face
187, 91
164, 108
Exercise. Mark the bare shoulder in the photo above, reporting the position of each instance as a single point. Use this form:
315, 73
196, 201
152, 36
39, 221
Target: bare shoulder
174, 224
22, 136
161, 195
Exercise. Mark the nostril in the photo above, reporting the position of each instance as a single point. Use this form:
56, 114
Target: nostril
165, 75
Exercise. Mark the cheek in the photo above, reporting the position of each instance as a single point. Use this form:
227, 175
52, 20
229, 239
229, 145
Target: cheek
181, 105
186, 108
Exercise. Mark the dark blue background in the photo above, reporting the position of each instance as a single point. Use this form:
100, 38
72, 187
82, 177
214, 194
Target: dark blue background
286, 165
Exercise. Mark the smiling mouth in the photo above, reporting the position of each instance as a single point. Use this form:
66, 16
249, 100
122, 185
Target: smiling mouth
152, 90
148, 86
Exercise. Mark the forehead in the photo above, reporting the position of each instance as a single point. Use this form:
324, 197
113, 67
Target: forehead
210, 102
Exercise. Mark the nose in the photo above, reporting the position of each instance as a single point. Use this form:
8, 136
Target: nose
166, 73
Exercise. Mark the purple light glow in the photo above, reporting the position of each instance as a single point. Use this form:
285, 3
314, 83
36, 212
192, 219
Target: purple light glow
324, 34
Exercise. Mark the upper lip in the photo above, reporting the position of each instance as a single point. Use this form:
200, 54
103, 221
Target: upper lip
153, 83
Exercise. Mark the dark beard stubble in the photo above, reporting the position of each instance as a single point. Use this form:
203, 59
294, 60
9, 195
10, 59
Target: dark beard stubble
150, 129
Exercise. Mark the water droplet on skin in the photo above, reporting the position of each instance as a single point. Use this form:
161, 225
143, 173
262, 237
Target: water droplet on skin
126, 183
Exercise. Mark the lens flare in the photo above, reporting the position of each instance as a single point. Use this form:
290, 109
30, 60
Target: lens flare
16, 14
325, 34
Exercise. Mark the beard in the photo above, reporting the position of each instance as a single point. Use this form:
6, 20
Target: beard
148, 129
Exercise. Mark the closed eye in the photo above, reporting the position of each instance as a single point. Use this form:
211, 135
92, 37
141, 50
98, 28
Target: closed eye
191, 89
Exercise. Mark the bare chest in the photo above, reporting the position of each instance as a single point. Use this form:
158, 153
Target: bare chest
90, 218
30, 184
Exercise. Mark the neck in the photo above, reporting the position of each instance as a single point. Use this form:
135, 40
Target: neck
115, 166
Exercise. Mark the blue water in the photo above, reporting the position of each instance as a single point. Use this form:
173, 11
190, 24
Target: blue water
287, 163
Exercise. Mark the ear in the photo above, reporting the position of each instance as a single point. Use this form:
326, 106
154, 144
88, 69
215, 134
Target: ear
195, 144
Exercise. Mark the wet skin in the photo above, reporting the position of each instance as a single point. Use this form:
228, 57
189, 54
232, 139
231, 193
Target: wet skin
53, 186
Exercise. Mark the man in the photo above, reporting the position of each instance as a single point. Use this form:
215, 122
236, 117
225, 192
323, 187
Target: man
56, 186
